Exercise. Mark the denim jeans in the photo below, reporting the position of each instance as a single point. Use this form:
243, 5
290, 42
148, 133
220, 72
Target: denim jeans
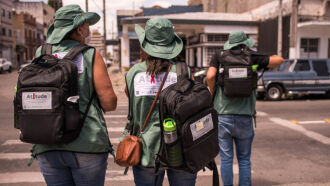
62, 168
238, 129
145, 177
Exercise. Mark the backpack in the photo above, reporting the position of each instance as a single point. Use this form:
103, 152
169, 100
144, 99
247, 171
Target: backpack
46, 108
189, 104
236, 77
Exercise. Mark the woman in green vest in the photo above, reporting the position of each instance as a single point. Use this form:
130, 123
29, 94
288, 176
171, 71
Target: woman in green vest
161, 44
84, 160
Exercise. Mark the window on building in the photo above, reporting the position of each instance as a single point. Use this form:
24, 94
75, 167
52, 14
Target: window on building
320, 67
309, 47
210, 52
10, 33
3, 31
302, 65
9, 15
217, 37
45, 12
3, 13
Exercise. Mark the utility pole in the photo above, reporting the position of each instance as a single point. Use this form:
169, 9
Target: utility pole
293, 29
279, 34
104, 31
86, 5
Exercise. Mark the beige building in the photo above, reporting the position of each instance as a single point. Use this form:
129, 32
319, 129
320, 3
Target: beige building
6, 30
43, 13
97, 41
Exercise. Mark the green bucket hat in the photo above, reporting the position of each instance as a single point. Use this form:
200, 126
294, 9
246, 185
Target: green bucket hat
68, 18
159, 39
238, 38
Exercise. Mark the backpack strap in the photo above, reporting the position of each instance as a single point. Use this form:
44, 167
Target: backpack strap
182, 70
215, 178
75, 51
46, 49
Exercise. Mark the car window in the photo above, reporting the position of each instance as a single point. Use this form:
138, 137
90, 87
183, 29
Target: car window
302, 65
320, 67
285, 66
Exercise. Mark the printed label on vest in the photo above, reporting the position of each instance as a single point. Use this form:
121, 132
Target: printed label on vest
79, 60
36, 100
238, 73
148, 85
201, 127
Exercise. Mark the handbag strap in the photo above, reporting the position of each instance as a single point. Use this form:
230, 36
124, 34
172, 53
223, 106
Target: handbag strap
157, 95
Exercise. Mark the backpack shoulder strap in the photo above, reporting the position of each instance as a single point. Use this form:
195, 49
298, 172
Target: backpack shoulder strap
182, 70
75, 51
46, 49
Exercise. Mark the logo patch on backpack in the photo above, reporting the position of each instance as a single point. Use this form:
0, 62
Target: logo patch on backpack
237, 73
36, 100
201, 127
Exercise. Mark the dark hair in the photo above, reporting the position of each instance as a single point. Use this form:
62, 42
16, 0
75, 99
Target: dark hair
156, 65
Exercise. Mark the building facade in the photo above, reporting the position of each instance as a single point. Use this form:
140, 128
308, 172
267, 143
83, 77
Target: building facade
6, 29
97, 41
43, 13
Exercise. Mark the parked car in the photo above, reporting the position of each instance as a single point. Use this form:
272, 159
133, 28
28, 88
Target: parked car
5, 65
28, 62
200, 75
108, 62
300, 76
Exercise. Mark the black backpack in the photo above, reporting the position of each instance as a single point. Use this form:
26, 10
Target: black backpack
236, 77
46, 108
189, 103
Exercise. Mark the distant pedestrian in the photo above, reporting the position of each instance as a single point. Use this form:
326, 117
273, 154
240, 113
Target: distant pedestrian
84, 160
159, 45
236, 112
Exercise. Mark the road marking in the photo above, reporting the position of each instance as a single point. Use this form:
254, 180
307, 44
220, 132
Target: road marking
19, 142
308, 122
311, 134
13, 142
116, 129
259, 113
115, 116
14, 156
21, 156
113, 175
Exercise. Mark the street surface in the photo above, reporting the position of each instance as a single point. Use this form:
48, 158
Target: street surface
291, 145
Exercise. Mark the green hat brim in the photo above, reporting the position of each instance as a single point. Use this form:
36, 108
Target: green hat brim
56, 35
249, 43
165, 52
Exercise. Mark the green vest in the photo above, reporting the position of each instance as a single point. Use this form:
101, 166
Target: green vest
236, 106
93, 137
142, 89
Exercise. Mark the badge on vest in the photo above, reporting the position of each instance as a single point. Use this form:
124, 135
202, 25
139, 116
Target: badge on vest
237, 73
148, 85
36, 100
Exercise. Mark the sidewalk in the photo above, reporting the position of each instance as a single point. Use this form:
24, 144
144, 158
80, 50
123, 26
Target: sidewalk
118, 83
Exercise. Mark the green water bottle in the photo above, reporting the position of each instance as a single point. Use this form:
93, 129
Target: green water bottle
173, 145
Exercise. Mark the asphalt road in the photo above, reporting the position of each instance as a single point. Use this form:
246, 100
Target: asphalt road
291, 145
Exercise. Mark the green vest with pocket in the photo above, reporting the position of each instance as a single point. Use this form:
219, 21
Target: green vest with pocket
142, 89
93, 137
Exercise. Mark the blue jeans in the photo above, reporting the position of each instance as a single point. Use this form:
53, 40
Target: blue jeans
238, 129
145, 177
62, 168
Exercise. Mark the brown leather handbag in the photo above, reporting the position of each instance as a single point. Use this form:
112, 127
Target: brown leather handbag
129, 150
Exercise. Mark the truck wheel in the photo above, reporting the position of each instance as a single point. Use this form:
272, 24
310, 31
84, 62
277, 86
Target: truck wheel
9, 69
274, 93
